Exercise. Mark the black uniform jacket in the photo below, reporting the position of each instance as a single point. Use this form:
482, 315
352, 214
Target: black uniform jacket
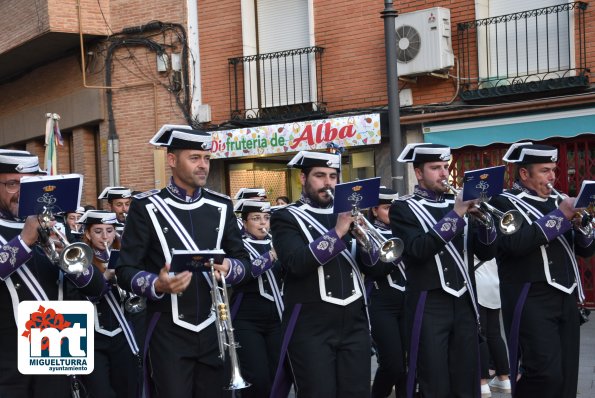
429, 265
307, 279
149, 236
526, 255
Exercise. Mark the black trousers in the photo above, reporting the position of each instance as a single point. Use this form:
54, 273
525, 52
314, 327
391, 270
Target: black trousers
116, 372
185, 364
549, 340
13, 384
492, 346
448, 354
259, 336
387, 322
329, 352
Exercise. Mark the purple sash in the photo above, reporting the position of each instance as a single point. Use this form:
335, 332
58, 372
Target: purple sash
415, 335
513, 337
283, 381
150, 329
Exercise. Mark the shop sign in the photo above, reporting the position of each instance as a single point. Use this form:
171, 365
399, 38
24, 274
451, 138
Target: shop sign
298, 136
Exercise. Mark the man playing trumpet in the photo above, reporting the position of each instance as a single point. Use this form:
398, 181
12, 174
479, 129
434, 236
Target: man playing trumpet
441, 310
27, 274
539, 277
325, 325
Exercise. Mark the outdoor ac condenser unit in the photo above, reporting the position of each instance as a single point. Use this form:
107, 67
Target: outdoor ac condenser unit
424, 41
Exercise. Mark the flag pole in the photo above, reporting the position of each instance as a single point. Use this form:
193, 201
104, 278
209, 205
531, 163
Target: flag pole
53, 138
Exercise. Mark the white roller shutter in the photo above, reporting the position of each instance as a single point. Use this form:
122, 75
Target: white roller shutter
284, 25
542, 44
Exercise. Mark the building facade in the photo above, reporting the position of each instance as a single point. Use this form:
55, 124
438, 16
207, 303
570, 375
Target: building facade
269, 78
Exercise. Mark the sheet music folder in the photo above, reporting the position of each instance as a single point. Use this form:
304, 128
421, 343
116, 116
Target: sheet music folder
484, 183
194, 261
586, 195
59, 193
361, 193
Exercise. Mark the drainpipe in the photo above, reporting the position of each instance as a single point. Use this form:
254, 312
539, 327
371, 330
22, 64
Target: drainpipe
194, 58
113, 160
392, 78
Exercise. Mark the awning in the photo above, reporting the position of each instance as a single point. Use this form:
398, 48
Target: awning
506, 130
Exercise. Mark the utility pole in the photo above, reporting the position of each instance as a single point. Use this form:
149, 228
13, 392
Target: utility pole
392, 78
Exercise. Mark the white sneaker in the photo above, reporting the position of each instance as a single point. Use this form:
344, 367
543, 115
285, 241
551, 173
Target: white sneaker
497, 385
485, 391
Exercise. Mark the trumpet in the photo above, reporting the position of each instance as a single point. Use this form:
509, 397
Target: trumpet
367, 235
582, 220
74, 258
224, 327
133, 303
508, 223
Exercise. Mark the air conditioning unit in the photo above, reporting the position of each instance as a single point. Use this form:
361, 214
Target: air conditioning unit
424, 41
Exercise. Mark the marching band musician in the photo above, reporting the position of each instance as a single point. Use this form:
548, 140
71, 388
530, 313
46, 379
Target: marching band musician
182, 352
326, 335
27, 274
539, 277
118, 201
72, 229
256, 303
441, 311
258, 194
386, 283
116, 350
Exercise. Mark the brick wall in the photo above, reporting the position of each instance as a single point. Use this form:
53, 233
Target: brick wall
23, 20
354, 67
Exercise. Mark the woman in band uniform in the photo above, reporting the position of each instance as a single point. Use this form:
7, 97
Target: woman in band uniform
256, 302
116, 352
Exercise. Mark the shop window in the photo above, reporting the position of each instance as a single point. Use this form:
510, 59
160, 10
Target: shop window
270, 176
362, 166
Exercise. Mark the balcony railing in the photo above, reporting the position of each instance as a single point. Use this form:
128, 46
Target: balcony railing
534, 52
278, 86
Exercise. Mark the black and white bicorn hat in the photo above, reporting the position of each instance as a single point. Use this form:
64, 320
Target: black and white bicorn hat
252, 206
182, 137
14, 161
386, 196
99, 217
424, 152
111, 193
247, 193
528, 152
306, 159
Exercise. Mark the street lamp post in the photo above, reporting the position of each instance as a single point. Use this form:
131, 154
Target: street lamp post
392, 78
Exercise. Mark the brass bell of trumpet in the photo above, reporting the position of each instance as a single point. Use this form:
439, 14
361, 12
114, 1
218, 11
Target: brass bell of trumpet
367, 235
508, 223
135, 304
74, 258
225, 335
